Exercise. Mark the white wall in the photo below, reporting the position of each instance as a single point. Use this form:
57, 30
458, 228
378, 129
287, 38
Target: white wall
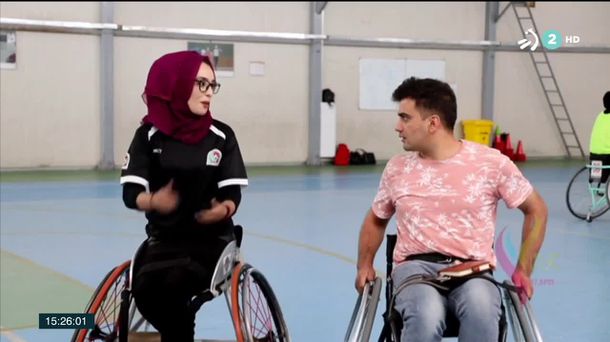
60, 10
268, 114
374, 130
50, 106
239, 16
520, 104
416, 20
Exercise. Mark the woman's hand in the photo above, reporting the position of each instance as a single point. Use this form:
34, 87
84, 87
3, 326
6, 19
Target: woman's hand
219, 211
164, 201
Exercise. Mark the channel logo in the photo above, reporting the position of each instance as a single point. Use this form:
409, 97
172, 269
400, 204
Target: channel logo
533, 42
550, 40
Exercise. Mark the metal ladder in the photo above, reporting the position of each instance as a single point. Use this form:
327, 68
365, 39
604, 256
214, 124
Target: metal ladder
549, 84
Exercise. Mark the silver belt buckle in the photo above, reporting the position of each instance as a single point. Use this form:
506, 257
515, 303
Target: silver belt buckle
449, 260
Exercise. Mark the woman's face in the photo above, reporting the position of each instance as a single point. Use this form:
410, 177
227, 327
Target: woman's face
201, 96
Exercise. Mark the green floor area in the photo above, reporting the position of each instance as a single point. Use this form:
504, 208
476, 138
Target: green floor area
253, 171
28, 289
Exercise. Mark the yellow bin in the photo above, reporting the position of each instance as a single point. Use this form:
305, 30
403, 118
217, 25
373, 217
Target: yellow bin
478, 130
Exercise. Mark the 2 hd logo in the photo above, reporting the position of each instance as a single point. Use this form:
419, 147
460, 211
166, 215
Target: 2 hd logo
550, 39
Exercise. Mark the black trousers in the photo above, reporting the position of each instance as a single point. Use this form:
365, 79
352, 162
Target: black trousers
166, 277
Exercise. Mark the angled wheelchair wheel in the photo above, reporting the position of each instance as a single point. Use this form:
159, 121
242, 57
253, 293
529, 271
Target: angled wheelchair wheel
587, 200
521, 318
105, 304
257, 315
363, 316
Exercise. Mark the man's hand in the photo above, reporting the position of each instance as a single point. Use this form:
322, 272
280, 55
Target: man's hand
165, 200
218, 212
365, 274
524, 283
371, 236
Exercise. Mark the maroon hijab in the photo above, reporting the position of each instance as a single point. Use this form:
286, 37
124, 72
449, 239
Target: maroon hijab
168, 89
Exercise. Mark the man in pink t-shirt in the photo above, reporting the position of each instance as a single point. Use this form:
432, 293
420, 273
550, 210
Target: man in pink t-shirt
445, 193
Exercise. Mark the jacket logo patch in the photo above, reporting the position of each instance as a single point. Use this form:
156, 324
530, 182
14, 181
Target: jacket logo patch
214, 157
126, 162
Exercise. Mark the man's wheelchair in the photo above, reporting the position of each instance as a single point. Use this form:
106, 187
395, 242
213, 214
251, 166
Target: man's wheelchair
254, 309
520, 317
588, 194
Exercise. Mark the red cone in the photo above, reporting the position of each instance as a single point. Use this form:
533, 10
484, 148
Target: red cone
508, 149
520, 155
499, 144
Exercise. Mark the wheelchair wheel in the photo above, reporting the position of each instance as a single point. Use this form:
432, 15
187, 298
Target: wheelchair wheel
521, 318
105, 304
256, 312
363, 316
587, 200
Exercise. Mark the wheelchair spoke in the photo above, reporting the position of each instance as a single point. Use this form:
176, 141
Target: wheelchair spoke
105, 305
259, 313
109, 311
260, 317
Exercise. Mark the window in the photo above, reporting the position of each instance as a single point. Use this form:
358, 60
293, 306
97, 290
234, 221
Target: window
8, 50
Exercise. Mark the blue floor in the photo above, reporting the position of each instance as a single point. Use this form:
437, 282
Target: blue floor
301, 231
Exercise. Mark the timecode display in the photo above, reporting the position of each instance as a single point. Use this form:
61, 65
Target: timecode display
65, 321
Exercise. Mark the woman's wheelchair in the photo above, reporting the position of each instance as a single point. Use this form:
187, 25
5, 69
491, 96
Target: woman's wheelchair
254, 309
520, 317
588, 193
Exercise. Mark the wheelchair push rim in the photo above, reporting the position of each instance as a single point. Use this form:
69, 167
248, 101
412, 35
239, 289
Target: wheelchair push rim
363, 316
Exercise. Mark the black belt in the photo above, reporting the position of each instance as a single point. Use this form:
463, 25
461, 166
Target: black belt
435, 257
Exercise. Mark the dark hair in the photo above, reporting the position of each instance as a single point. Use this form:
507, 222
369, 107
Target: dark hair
607, 102
430, 95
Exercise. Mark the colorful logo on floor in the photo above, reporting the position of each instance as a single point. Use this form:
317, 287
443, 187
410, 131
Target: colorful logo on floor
507, 255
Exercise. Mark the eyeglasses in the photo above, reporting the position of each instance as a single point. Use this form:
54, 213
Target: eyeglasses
204, 85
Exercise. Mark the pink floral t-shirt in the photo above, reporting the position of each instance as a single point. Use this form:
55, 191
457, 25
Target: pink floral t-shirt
449, 206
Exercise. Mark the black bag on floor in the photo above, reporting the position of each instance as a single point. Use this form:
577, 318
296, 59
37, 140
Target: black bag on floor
362, 157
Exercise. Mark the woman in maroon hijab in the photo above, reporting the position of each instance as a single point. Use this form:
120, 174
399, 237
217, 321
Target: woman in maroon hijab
185, 171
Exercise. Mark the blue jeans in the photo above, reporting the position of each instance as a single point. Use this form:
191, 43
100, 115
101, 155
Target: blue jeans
476, 304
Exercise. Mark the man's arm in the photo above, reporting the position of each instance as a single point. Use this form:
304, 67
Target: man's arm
534, 229
371, 236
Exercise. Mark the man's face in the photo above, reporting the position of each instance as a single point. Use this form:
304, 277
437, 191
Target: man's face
413, 129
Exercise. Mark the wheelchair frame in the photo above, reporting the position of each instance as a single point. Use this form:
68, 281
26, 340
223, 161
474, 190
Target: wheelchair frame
520, 317
232, 277
598, 206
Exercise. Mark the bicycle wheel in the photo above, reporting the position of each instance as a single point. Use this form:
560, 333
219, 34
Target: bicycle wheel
256, 312
105, 305
587, 200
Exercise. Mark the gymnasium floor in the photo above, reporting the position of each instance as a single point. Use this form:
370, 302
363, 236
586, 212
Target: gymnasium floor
62, 231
